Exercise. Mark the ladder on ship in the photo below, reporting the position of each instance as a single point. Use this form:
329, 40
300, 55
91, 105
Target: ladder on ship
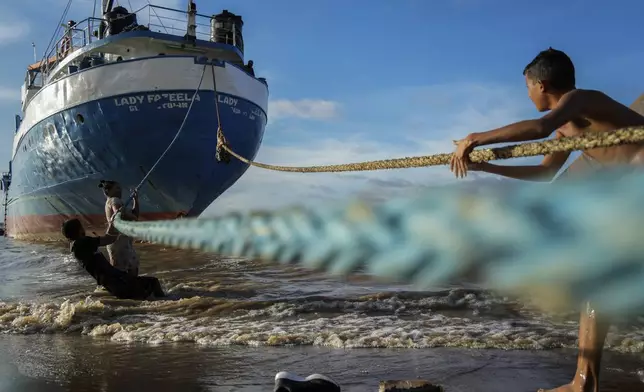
5, 182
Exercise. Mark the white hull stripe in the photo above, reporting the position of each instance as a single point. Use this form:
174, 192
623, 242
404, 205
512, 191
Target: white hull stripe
164, 73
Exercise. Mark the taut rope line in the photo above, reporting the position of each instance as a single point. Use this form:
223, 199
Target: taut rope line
631, 135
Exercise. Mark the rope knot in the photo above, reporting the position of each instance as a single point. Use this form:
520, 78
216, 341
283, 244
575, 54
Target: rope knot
222, 153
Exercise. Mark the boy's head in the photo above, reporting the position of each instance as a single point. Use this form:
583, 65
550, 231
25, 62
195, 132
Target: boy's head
110, 188
550, 73
73, 229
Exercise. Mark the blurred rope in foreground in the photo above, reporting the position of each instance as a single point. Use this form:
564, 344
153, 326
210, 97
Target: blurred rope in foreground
560, 243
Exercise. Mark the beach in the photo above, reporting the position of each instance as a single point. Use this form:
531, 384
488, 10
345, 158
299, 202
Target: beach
230, 324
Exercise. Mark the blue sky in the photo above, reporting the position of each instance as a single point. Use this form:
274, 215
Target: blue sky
372, 79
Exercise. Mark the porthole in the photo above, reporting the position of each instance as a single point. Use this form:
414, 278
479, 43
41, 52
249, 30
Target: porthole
80, 119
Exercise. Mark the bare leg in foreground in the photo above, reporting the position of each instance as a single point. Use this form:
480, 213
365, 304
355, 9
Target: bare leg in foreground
592, 334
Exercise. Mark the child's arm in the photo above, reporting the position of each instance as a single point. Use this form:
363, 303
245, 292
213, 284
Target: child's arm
135, 205
107, 239
545, 171
125, 214
84, 247
571, 105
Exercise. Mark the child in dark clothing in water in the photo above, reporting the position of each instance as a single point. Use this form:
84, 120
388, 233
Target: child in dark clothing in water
118, 283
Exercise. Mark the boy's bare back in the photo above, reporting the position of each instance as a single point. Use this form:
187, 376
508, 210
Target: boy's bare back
600, 113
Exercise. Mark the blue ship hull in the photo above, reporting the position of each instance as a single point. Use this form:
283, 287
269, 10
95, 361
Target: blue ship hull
60, 160
108, 99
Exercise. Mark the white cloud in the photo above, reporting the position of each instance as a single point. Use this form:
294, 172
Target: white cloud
9, 94
425, 122
306, 108
12, 31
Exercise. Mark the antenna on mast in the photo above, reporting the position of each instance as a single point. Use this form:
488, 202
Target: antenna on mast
107, 6
33, 45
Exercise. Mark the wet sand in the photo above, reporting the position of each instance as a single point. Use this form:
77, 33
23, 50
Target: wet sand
44, 363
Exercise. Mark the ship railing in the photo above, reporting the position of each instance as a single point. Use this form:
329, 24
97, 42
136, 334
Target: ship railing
153, 17
171, 21
72, 38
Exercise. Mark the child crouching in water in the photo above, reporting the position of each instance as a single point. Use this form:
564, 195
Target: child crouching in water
119, 283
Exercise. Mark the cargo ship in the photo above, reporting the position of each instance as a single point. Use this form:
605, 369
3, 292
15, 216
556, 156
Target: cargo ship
107, 99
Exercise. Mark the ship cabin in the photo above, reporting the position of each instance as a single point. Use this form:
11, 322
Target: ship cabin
122, 34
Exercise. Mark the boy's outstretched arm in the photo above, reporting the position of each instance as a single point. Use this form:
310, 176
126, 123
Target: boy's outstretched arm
545, 171
571, 105
108, 239
135, 204
135, 209
125, 214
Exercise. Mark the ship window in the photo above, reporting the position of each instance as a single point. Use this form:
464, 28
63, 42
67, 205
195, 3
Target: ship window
80, 119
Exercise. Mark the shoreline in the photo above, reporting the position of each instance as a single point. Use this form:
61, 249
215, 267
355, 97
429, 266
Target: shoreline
51, 363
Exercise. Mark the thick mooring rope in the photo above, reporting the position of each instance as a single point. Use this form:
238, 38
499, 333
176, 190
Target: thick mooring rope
564, 242
632, 135
561, 243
